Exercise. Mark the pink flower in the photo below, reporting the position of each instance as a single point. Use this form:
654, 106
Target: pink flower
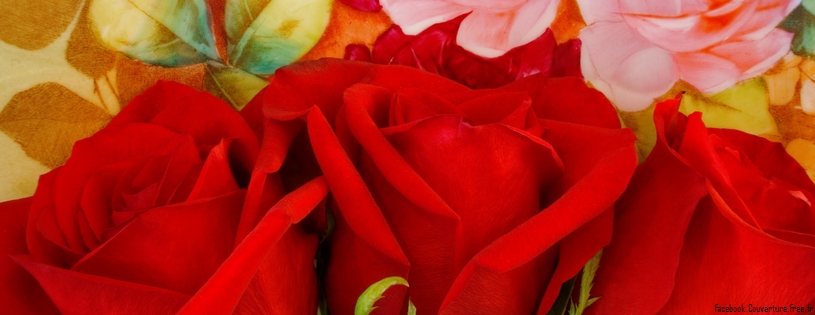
635, 50
492, 27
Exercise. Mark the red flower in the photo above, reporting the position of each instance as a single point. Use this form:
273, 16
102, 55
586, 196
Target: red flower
152, 215
713, 218
435, 50
483, 200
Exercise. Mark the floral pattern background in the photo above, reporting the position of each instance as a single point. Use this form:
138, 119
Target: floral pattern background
69, 69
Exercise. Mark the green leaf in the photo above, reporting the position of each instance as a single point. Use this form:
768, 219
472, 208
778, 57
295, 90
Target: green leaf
235, 86
264, 35
366, 300
586, 282
743, 107
801, 22
809, 5
168, 33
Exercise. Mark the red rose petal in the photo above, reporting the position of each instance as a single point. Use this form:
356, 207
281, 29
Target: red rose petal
223, 291
216, 176
130, 142
265, 187
523, 252
285, 282
493, 193
369, 246
637, 275
410, 205
715, 269
363, 5
37, 239
411, 104
583, 149
302, 78
96, 196
202, 235
397, 77
77, 293
513, 111
586, 106
19, 292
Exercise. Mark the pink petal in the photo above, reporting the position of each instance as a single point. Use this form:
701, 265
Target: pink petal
494, 5
768, 15
624, 66
663, 7
414, 16
690, 32
491, 34
755, 57
708, 73
594, 11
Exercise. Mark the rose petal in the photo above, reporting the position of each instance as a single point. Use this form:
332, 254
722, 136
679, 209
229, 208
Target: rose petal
707, 72
216, 178
414, 16
490, 33
268, 252
522, 254
586, 106
692, 31
19, 291
281, 104
631, 75
411, 104
363, 5
131, 141
202, 235
408, 203
77, 293
633, 269
371, 252
594, 11
755, 57
714, 268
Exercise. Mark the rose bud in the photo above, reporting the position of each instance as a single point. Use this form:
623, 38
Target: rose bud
481, 201
162, 212
712, 219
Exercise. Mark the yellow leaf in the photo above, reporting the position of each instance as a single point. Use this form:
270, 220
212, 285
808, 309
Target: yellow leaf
743, 107
264, 35
235, 86
163, 32
133, 77
20, 172
84, 52
47, 119
32, 25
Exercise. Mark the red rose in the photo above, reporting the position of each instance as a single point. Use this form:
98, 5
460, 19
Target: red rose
712, 219
485, 201
152, 215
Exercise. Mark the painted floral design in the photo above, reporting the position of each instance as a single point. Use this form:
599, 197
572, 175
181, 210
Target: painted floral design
491, 28
635, 51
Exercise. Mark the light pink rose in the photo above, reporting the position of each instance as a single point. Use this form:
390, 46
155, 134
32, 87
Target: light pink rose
492, 27
635, 50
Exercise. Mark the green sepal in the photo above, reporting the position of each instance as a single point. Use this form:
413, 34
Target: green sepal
366, 300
